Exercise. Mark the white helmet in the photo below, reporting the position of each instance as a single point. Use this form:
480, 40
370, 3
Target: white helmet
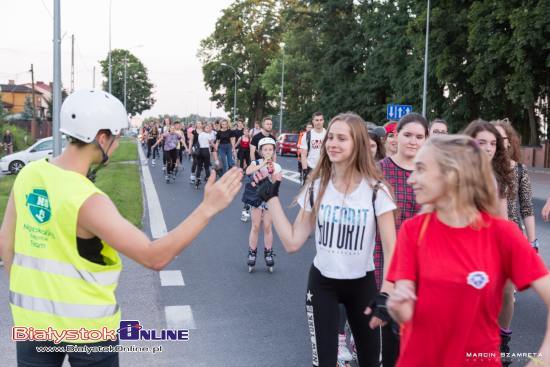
86, 111
264, 141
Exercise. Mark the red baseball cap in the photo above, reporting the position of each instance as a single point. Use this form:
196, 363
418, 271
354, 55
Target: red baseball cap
391, 127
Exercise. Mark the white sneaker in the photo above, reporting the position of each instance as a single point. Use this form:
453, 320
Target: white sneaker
343, 352
153, 162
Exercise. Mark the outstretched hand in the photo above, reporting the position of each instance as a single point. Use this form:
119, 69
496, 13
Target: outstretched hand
219, 194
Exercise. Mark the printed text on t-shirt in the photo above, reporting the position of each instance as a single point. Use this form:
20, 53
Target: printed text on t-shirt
348, 224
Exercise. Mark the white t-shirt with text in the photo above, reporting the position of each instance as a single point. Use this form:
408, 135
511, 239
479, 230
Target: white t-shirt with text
314, 151
345, 229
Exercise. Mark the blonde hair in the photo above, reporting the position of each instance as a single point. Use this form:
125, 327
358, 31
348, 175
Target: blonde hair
361, 160
468, 175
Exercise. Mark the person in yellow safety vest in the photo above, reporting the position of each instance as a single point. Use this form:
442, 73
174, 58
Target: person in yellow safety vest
61, 236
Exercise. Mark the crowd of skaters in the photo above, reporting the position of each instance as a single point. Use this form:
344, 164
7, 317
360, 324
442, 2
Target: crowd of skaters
209, 145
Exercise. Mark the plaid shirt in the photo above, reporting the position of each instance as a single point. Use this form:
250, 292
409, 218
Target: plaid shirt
406, 206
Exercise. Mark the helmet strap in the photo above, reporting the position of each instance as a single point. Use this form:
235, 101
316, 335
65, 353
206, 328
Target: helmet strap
92, 173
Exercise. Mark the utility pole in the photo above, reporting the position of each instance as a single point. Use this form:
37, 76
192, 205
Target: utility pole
93, 79
33, 122
56, 78
72, 63
425, 91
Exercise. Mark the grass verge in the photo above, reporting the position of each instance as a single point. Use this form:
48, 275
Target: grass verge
120, 181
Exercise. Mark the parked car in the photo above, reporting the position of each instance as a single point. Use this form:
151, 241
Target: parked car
287, 144
42, 148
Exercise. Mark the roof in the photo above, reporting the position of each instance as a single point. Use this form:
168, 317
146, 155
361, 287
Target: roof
10, 88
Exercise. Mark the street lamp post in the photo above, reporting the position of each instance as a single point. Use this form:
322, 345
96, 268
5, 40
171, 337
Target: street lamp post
282, 89
125, 78
234, 92
56, 96
110, 64
425, 91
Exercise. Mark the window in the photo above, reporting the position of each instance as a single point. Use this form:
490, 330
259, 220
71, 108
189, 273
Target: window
47, 145
292, 138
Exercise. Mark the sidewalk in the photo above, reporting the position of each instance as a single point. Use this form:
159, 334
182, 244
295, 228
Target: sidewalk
540, 179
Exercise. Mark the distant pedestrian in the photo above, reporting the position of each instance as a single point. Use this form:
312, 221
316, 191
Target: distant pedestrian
7, 141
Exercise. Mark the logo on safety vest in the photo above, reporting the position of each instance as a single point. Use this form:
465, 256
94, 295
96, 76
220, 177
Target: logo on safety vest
478, 279
39, 205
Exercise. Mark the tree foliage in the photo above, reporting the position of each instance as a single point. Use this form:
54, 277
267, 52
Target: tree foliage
247, 37
487, 59
139, 90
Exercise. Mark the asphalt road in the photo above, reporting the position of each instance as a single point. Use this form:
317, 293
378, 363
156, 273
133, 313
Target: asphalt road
236, 318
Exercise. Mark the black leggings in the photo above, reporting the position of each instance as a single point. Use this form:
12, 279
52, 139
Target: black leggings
150, 149
203, 161
244, 158
171, 156
322, 300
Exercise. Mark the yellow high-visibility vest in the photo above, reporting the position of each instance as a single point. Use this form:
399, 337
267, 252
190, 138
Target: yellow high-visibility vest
51, 285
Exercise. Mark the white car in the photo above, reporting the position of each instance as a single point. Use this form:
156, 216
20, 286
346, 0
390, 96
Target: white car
42, 148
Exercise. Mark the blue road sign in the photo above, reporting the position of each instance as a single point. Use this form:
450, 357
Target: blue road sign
396, 111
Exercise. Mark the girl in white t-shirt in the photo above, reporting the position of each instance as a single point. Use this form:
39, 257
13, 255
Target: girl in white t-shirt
343, 201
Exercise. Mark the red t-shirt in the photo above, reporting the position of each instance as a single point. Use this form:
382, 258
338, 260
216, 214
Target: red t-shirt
460, 274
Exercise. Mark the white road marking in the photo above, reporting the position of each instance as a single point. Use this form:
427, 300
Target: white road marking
156, 218
171, 278
291, 176
179, 317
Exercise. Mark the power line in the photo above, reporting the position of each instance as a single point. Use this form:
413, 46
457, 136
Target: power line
48, 10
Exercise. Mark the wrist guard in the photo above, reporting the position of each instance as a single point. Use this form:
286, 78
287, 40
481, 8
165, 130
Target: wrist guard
267, 190
378, 307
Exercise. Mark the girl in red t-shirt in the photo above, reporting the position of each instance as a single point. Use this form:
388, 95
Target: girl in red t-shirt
450, 265
491, 142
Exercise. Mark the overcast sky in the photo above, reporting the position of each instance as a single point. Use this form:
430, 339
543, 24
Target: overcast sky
169, 30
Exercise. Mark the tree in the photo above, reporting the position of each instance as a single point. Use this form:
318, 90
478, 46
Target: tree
247, 37
301, 46
512, 58
27, 109
139, 90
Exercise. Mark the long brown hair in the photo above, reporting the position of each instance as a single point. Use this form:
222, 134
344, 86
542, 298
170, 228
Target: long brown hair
501, 162
361, 160
514, 151
467, 173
